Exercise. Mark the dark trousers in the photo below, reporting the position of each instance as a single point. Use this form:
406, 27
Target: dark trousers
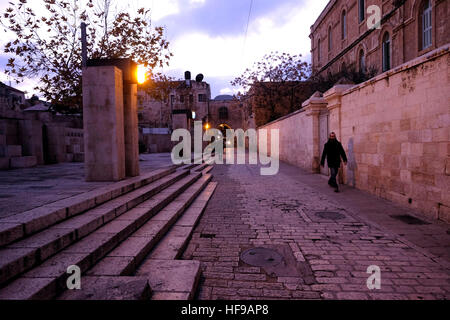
332, 182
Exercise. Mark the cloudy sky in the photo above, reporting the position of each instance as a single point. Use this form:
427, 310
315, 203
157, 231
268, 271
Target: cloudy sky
211, 36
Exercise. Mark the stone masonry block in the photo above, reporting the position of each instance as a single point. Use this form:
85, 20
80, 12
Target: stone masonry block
10, 150
23, 162
4, 163
110, 288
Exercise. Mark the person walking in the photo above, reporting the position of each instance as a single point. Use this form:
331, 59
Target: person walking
333, 151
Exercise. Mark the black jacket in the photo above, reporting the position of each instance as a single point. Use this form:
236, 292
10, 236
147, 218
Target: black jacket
333, 151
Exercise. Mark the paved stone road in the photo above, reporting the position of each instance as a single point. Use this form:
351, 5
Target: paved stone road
279, 212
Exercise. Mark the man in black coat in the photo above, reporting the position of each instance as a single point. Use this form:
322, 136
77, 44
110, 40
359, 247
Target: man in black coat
333, 151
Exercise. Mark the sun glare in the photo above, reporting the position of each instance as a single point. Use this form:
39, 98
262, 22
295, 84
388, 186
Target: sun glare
141, 74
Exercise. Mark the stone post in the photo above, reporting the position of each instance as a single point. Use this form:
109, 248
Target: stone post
31, 139
314, 106
334, 100
131, 129
103, 123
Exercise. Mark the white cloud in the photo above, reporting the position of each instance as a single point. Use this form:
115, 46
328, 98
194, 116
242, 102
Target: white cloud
161, 9
226, 57
229, 91
26, 86
218, 56
195, 2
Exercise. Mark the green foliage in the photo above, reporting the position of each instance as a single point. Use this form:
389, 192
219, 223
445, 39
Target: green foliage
48, 46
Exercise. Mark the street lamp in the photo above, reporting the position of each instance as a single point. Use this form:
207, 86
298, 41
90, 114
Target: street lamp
141, 74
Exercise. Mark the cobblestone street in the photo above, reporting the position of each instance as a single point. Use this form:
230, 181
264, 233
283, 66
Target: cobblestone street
327, 240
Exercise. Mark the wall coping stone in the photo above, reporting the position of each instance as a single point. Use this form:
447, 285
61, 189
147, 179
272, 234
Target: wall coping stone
432, 55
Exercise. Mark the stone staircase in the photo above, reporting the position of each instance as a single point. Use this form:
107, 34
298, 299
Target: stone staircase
125, 238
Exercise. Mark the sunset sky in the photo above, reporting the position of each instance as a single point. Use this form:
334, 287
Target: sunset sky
209, 36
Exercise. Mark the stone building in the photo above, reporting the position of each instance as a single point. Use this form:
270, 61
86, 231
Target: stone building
185, 102
267, 101
341, 39
225, 112
32, 135
12, 98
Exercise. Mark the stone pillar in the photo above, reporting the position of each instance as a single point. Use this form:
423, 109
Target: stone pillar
131, 130
314, 106
334, 100
31, 139
103, 122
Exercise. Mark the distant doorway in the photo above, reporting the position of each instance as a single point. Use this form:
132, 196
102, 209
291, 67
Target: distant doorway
223, 127
45, 146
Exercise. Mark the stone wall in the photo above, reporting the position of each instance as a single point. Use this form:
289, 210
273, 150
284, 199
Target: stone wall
157, 143
296, 134
403, 28
394, 128
34, 138
398, 127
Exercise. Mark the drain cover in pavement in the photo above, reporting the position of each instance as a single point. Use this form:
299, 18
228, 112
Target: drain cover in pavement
406, 218
261, 257
330, 215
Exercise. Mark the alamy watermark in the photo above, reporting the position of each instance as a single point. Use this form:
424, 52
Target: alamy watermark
258, 147
73, 282
374, 281
374, 17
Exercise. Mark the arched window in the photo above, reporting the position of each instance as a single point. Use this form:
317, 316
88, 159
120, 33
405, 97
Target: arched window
362, 10
386, 52
223, 113
362, 61
344, 24
426, 24
318, 51
330, 39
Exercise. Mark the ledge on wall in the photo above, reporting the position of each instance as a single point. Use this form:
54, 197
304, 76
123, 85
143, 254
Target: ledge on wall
445, 49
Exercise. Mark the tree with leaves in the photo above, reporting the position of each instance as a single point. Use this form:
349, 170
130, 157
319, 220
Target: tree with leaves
47, 44
279, 84
274, 85
159, 89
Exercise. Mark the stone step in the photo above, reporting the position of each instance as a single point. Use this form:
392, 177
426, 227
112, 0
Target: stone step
24, 254
49, 278
172, 279
10, 150
18, 226
22, 162
110, 288
123, 260
174, 242
201, 167
187, 166
207, 170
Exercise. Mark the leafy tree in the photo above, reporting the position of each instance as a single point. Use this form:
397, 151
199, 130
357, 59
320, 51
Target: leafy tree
279, 84
48, 44
347, 75
158, 89
274, 68
274, 85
